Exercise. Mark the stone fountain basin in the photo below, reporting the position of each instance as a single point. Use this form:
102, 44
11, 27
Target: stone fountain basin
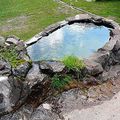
98, 61
102, 65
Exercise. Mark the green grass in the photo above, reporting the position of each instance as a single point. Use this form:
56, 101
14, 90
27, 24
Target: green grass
106, 8
38, 15
11, 56
59, 81
41, 13
73, 63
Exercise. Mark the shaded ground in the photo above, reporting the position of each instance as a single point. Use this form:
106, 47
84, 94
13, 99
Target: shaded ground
16, 23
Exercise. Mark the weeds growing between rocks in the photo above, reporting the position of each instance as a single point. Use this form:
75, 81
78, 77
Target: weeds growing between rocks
59, 81
11, 55
74, 64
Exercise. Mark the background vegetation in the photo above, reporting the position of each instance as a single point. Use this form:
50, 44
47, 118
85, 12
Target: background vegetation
106, 8
25, 18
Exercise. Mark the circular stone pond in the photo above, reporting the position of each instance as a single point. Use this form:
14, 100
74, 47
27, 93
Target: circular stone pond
78, 39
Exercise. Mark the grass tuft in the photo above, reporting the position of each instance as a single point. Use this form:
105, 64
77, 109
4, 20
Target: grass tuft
11, 55
73, 63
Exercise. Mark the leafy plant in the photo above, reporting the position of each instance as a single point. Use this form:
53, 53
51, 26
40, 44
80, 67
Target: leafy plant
73, 63
59, 81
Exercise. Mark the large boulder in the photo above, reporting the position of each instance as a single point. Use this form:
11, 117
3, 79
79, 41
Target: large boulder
53, 109
38, 83
101, 57
113, 58
22, 70
20, 46
5, 68
53, 66
69, 100
12, 40
93, 68
12, 94
80, 17
115, 54
23, 113
44, 112
26, 112
34, 76
113, 72
117, 46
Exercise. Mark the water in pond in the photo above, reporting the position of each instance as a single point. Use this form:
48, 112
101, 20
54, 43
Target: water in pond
80, 40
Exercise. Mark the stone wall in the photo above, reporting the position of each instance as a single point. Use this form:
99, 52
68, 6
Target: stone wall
31, 79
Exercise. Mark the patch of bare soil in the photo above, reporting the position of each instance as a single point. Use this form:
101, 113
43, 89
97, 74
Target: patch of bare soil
14, 24
112, 18
66, 10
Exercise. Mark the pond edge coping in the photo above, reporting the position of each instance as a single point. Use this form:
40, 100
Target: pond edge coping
97, 58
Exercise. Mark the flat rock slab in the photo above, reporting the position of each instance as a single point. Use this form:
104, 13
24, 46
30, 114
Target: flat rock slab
93, 68
12, 40
54, 66
109, 110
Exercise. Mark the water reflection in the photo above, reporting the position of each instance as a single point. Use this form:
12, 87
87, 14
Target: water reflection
80, 40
